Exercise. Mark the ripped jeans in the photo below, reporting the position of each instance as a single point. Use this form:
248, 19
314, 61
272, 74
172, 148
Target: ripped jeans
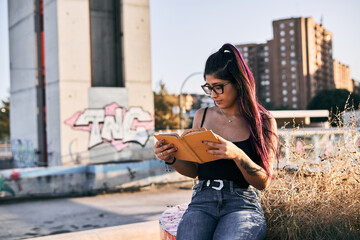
221, 211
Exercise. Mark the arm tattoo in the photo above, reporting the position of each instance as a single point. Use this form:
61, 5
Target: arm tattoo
252, 171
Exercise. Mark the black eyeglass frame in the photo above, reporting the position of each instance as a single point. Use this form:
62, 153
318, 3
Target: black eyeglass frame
213, 88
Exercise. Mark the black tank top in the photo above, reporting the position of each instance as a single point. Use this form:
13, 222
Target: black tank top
226, 168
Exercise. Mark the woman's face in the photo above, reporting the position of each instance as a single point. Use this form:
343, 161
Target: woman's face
228, 98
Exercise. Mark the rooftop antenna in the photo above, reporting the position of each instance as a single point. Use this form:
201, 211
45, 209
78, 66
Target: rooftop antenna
321, 20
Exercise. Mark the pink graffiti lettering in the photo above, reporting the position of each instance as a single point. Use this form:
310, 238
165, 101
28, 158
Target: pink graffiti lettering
115, 125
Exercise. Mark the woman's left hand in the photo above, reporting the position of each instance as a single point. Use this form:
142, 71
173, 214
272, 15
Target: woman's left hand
225, 149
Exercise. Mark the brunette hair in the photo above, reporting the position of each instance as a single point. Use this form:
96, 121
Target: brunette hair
228, 64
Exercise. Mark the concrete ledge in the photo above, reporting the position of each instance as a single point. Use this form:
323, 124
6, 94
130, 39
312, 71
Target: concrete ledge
136, 231
83, 179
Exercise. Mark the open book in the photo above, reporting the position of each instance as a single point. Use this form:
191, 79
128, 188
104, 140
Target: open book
189, 145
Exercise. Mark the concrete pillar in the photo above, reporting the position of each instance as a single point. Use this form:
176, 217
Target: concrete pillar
68, 74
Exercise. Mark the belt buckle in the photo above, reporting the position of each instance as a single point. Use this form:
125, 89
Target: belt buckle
221, 185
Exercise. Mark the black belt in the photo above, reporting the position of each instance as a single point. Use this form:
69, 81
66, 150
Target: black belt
219, 184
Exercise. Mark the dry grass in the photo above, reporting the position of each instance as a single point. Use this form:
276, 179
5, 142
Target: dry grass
322, 203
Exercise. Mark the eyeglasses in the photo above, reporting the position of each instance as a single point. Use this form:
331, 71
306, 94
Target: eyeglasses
218, 89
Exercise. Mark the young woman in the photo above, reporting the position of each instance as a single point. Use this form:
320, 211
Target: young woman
223, 206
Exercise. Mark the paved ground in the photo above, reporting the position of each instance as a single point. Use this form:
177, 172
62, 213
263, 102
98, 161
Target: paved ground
27, 219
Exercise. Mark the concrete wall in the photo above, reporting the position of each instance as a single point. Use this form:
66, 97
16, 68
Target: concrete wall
137, 59
23, 74
74, 68
51, 34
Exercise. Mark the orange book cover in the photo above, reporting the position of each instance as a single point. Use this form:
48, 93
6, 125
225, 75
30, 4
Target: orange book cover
189, 144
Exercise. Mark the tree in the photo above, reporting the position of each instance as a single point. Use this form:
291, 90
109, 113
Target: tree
334, 100
4, 120
165, 118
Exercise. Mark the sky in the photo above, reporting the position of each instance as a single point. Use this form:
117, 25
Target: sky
185, 32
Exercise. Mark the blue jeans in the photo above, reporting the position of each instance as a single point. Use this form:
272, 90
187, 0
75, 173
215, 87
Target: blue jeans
227, 214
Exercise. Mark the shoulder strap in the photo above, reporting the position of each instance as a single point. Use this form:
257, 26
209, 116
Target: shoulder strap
203, 118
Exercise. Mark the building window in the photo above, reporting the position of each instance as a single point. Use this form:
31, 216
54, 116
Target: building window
282, 25
283, 62
267, 100
246, 54
293, 91
266, 70
282, 33
282, 48
292, 54
293, 76
295, 106
293, 69
267, 94
283, 54
291, 32
265, 83
285, 99
266, 48
292, 62
283, 77
293, 84
282, 40
245, 49
284, 92
291, 24
284, 84
292, 47
294, 99
266, 59
292, 39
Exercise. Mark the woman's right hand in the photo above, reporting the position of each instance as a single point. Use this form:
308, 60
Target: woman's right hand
164, 151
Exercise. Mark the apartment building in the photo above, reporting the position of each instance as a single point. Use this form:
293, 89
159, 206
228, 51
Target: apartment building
258, 58
342, 76
293, 66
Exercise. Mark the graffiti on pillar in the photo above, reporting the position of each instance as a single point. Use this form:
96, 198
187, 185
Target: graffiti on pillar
115, 125
24, 153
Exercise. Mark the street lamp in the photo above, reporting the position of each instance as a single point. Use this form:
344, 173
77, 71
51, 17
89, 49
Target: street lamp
181, 88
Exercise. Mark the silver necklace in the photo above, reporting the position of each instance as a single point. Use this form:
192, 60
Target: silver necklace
229, 120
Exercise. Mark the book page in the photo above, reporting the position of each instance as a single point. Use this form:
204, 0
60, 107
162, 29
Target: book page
193, 131
174, 134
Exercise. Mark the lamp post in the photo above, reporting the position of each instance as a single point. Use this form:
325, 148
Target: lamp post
181, 88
